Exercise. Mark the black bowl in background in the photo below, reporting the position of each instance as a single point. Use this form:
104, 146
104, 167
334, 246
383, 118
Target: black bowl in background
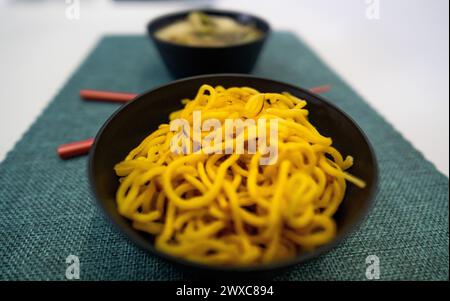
128, 126
182, 61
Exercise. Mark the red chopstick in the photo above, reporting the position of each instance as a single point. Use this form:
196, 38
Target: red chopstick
320, 89
108, 96
73, 149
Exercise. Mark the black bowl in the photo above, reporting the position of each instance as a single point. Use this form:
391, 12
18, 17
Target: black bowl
127, 127
184, 61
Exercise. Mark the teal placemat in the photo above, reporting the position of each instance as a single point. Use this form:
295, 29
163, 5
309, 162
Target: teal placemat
47, 211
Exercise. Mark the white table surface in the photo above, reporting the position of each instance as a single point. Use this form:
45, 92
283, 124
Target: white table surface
399, 63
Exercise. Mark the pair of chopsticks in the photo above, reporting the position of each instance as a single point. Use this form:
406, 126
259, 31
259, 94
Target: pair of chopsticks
78, 148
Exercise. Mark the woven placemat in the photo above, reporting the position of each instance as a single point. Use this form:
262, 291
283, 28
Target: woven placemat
47, 211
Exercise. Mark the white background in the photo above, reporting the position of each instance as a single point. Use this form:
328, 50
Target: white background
399, 63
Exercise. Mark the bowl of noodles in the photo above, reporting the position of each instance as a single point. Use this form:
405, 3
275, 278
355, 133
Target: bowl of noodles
233, 173
208, 41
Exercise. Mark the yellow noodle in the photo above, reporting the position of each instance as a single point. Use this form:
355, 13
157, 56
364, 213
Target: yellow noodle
227, 209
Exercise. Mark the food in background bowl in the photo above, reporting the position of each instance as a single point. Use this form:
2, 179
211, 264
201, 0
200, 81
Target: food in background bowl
201, 29
214, 49
218, 207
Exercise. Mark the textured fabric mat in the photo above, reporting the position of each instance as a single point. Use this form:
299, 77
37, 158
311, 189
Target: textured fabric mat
47, 211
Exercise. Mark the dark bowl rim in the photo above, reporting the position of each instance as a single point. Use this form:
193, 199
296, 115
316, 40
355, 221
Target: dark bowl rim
152, 23
148, 246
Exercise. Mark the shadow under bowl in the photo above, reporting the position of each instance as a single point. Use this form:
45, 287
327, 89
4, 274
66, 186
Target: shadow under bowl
182, 60
134, 121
